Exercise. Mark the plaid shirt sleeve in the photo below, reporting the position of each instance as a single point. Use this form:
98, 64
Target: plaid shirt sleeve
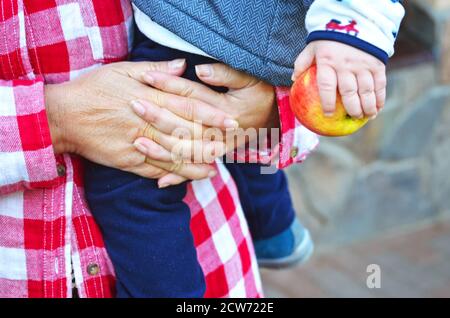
27, 159
290, 143
296, 142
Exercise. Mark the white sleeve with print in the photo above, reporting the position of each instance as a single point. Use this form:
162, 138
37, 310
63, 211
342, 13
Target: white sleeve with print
370, 25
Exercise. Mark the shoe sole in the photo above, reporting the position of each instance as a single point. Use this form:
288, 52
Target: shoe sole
301, 255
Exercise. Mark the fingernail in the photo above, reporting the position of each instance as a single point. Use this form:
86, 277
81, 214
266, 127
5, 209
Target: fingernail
177, 64
163, 185
373, 117
231, 123
140, 147
138, 107
204, 70
212, 173
328, 114
149, 78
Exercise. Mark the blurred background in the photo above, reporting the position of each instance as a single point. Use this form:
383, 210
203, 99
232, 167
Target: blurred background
382, 196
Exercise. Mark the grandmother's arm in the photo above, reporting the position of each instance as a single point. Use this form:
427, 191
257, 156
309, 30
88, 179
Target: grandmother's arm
27, 157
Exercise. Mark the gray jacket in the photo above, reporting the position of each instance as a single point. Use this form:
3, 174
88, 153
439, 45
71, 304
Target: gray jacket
260, 37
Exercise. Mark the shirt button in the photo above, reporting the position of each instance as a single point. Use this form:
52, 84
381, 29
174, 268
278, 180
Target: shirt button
61, 170
294, 152
93, 269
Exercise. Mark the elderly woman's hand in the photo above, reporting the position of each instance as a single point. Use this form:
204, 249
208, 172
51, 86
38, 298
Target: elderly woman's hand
93, 116
249, 101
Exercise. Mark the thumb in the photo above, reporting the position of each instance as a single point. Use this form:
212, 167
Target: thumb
223, 75
303, 61
137, 70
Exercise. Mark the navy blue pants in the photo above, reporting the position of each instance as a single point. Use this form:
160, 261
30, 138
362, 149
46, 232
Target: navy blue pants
146, 229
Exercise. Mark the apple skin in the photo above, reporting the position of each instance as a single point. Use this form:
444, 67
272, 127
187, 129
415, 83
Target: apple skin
305, 103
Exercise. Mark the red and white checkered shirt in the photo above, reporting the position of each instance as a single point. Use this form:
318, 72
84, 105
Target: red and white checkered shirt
46, 229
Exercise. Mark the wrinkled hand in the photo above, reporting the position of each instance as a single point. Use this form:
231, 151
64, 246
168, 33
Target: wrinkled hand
249, 101
93, 116
359, 77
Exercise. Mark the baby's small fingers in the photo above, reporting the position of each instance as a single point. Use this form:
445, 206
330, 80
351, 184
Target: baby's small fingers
380, 88
170, 179
366, 91
348, 88
327, 83
303, 61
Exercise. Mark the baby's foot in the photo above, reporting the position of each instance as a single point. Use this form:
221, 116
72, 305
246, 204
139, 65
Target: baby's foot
291, 247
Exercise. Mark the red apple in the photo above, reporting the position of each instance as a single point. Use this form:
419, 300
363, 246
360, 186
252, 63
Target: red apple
305, 103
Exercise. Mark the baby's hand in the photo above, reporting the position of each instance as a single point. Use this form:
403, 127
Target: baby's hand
359, 76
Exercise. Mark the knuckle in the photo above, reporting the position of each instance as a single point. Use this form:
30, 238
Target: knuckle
324, 56
157, 173
148, 172
158, 98
381, 92
150, 133
379, 66
175, 167
349, 62
227, 74
186, 91
152, 173
154, 66
189, 108
366, 91
325, 85
348, 91
161, 84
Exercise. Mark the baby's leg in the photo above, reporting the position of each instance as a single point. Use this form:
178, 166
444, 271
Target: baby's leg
280, 239
265, 198
146, 232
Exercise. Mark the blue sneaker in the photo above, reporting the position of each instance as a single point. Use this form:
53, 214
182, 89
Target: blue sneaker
291, 247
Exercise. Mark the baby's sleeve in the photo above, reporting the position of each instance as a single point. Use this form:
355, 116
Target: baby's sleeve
371, 26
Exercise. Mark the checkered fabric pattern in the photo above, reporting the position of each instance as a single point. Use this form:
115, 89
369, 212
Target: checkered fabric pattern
296, 142
46, 229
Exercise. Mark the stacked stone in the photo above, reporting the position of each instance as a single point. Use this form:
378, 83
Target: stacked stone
437, 19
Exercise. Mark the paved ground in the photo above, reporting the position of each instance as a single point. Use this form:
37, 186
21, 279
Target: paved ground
414, 263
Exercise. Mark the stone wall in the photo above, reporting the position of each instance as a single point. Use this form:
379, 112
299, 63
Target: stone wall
393, 173
430, 19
